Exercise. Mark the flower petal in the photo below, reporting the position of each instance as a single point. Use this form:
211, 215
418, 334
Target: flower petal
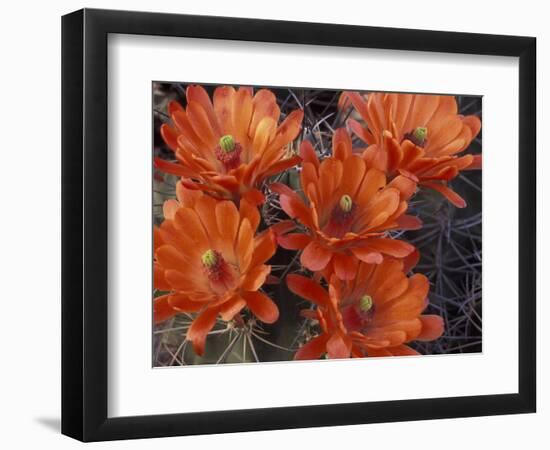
265, 105
245, 245
198, 94
448, 193
180, 302
159, 281
360, 132
201, 124
354, 169
407, 222
294, 241
255, 277
170, 136
265, 131
232, 307
476, 163
188, 223
338, 346
404, 185
223, 105
432, 327
392, 247
345, 266
410, 261
374, 180
171, 168
402, 350
315, 257
169, 258
249, 211
200, 328
264, 247
261, 306
227, 218
473, 123
341, 144
162, 309
367, 255
242, 115
307, 152
313, 349
292, 204
254, 196
421, 111
289, 129
281, 165
308, 289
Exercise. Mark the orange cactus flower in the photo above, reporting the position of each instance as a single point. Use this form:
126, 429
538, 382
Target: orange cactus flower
376, 314
211, 262
228, 146
347, 211
416, 135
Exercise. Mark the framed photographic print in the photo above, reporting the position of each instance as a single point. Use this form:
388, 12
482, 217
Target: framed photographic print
276, 224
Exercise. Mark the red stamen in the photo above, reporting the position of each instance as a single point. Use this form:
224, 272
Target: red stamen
340, 221
230, 160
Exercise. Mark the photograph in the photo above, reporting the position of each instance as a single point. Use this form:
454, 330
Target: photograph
295, 223
271, 225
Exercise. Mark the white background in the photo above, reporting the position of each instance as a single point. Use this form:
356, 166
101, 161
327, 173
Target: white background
135, 389
29, 392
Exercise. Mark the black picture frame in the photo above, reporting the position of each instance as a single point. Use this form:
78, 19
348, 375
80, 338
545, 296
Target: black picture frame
84, 224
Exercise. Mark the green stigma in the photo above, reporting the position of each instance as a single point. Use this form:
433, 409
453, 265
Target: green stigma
209, 258
346, 203
420, 134
365, 304
227, 143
